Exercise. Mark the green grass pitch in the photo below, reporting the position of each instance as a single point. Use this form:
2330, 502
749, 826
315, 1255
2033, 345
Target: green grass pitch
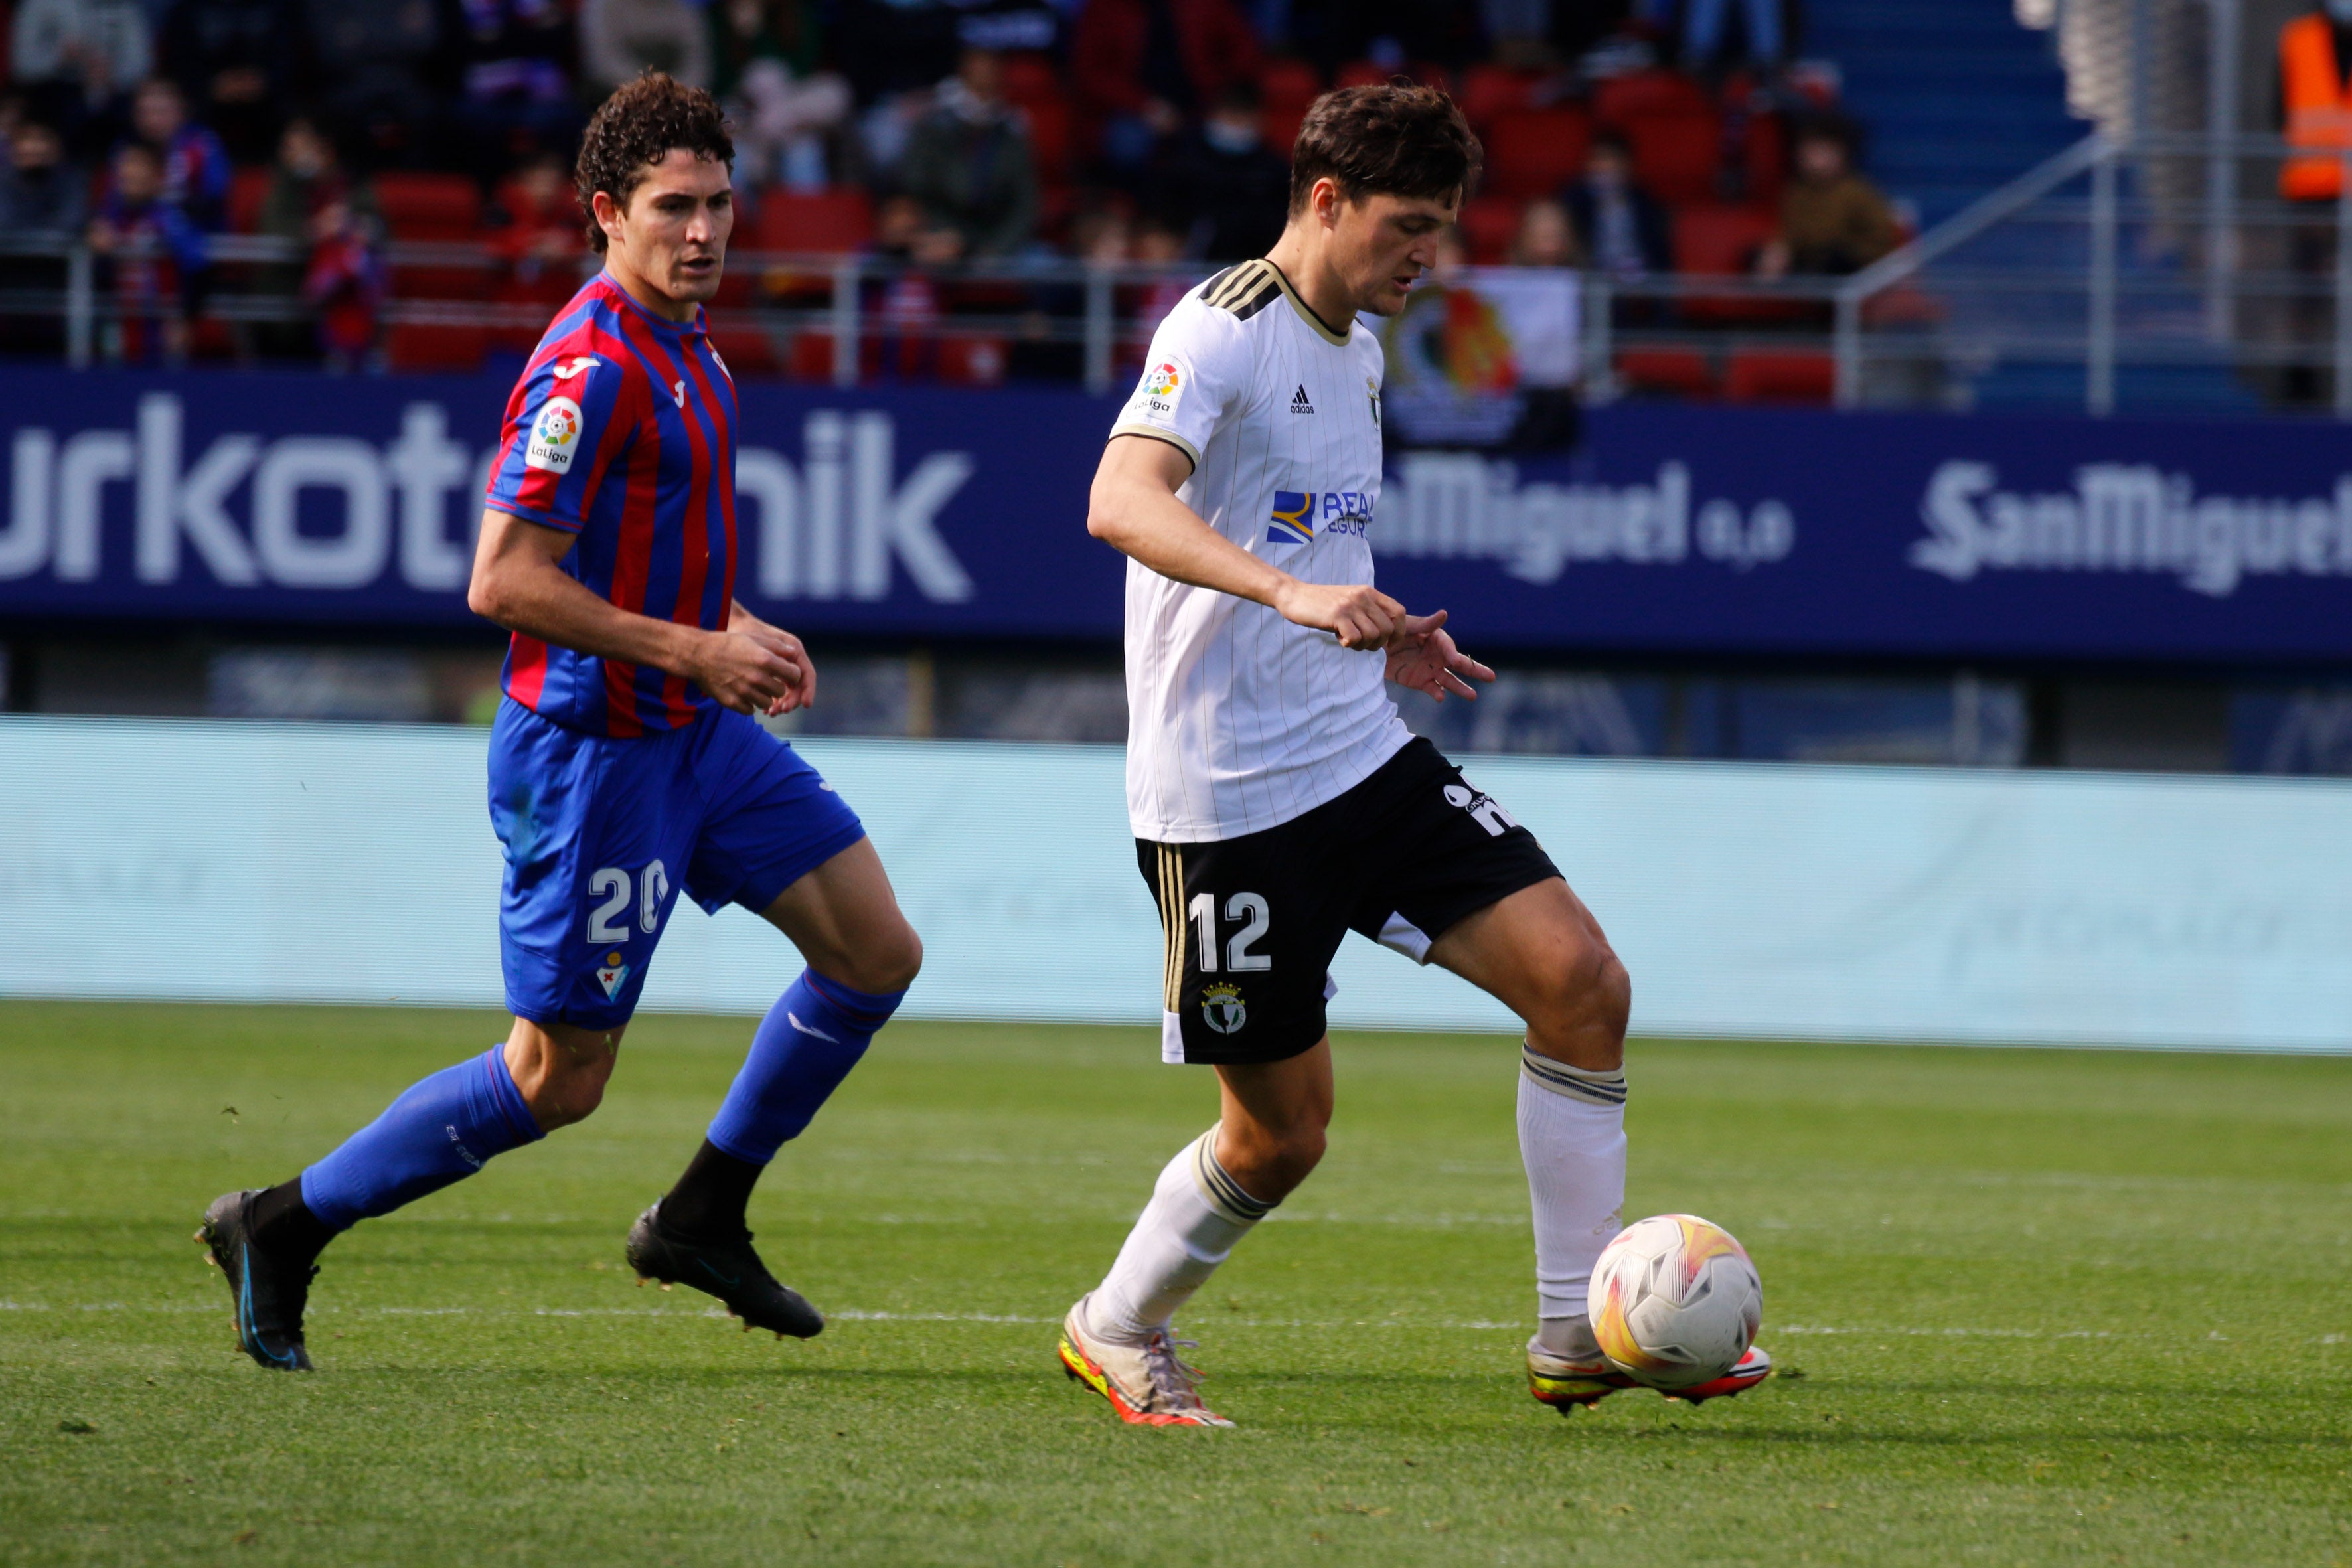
2047, 1308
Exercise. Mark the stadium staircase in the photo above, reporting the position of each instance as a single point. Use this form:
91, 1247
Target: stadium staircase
1957, 98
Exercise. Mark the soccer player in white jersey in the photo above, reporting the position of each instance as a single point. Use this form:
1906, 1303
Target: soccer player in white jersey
1279, 802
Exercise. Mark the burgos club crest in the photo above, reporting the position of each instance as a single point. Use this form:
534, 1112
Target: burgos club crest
1222, 1008
554, 437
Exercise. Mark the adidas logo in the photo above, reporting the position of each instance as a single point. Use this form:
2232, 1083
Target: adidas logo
1299, 404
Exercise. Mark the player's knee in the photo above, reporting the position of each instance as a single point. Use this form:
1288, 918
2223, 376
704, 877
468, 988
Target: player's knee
1585, 993
886, 963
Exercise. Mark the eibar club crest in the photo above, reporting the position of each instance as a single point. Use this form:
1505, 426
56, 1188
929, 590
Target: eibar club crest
611, 973
1222, 1008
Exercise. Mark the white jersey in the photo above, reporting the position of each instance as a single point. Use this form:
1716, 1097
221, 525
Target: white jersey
1238, 719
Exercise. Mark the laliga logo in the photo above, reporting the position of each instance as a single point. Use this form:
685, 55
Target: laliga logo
1163, 381
554, 437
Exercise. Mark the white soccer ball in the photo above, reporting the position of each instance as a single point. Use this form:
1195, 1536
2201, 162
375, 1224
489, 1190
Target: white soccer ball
1675, 1302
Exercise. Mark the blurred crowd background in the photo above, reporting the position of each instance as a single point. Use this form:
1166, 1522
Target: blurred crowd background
1634, 140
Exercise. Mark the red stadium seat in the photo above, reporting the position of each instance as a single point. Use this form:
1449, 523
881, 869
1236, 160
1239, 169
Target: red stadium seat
1720, 240
429, 206
1030, 78
1679, 373
1489, 92
410, 346
831, 222
1361, 73
1624, 97
1279, 125
1535, 151
1677, 156
1289, 85
972, 362
247, 190
748, 351
1779, 375
1053, 138
1764, 157
1487, 225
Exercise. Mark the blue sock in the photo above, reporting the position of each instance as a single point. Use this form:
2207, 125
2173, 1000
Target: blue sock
802, 1049
440, 1132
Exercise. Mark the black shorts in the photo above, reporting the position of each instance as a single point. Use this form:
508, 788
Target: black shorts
1252, 923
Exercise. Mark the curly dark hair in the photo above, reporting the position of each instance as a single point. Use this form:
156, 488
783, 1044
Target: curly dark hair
1399, 139
634, 130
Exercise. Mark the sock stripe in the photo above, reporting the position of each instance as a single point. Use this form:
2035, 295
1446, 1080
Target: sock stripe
1599, 1088
1219, 1187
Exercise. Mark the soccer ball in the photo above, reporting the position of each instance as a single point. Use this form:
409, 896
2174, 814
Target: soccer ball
1674, 1301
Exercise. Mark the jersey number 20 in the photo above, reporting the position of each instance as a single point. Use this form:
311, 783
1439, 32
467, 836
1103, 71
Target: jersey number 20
611, 884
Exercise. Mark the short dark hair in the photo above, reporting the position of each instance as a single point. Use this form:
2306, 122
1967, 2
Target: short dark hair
1401, 139
636, 128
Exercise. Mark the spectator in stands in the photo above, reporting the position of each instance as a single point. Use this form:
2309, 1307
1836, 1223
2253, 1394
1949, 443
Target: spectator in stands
765, 60
621, 38
515, 85
1226, 188
343, 285
77, 61
903, 231
234, 62
1705, 27
539, 232
195, 164
42, 197
1545, 237
1620, 230
150, 248
1144, 69
310, 199
41, 194
1832, 220
967, 164
377, 61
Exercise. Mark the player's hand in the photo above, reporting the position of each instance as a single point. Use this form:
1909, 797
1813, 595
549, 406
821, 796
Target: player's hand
1423, 657
755, 671
744, 622
1359, 615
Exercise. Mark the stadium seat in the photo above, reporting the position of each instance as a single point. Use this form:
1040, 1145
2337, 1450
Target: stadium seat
830, 223
748, 350
1053, 138
1489, 92
972, 362
1030, 78
429, 206
1779, 375
1279, 125
247, 188
1764, 157
1676, 373
1677, 156
1289, 85
1487, 225
1620, 98
1720, 240
413, 346
1535, 151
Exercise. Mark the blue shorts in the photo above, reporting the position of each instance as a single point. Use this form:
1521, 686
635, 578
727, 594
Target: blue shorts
601, 834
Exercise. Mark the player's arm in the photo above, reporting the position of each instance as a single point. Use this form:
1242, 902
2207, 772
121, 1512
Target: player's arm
520, 582
1133, 509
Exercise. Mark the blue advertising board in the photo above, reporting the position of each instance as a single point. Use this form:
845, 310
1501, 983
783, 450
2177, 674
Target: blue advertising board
350, 501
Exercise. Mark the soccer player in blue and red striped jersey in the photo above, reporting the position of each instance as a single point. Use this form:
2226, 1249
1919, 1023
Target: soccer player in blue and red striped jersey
626, 766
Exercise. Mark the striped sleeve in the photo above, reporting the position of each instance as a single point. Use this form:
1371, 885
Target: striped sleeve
567, 421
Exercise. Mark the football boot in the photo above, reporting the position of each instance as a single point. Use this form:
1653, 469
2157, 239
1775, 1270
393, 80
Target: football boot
1570, 1385
1752, 1368
1148, 1384
270, 1295
724, 1266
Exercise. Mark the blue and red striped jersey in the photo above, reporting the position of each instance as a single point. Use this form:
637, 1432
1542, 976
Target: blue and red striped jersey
622, 433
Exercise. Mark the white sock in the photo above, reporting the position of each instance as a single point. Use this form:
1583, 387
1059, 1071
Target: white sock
1572, 1142
1196, 1215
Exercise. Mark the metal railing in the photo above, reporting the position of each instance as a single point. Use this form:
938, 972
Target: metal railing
2084, 263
